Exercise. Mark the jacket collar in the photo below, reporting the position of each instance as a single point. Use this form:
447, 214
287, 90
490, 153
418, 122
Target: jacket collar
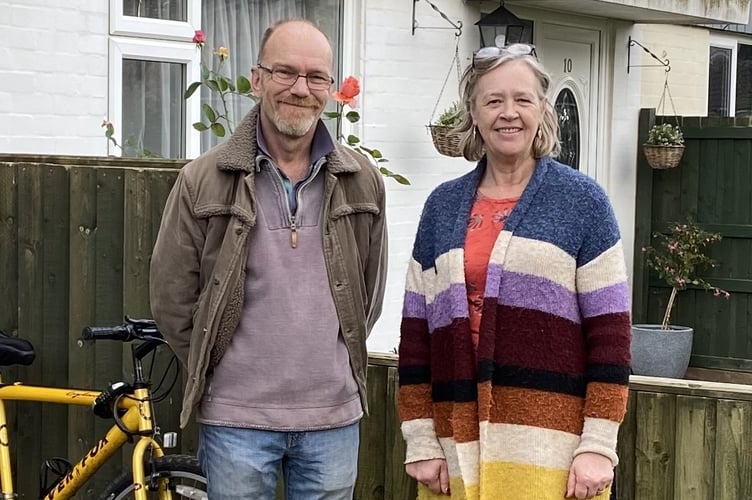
240, 151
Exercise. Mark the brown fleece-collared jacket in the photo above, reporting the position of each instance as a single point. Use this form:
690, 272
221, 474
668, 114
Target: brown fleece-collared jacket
198, 263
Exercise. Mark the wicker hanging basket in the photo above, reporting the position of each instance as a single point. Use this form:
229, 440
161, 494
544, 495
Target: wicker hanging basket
444, 141
662, 157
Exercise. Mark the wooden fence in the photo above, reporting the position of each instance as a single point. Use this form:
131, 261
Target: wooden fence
75, 241
712, 184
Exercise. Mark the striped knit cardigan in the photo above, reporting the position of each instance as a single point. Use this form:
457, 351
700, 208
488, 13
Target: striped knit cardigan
550, 380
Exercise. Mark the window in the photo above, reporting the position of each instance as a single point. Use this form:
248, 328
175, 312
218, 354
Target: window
171, 10
153, 60
569, 128
719, 82
730, 77
744, 81
239, 26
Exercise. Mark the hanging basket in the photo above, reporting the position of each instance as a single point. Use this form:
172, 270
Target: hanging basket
444, 141
662, 157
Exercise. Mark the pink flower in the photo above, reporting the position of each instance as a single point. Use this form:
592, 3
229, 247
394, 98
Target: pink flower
348, 91
199, 38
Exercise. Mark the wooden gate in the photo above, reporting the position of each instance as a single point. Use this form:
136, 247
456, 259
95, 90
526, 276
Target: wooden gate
713, 184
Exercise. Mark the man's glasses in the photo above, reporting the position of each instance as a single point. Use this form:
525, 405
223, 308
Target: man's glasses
285, 76
516, 49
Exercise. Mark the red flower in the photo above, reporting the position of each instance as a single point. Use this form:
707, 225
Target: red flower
348, 91
199, 38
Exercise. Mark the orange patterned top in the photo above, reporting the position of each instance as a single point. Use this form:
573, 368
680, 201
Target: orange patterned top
486, 221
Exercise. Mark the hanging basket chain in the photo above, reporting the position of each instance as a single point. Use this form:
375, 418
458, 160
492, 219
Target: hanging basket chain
662, 102
455, 62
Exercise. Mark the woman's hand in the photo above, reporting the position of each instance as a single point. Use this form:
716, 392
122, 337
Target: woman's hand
589, 475
431, 473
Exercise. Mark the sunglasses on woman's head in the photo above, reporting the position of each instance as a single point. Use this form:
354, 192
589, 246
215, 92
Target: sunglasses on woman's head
516, 49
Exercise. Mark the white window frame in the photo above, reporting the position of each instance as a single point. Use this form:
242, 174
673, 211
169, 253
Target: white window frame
731, 43
181, 31
158, 51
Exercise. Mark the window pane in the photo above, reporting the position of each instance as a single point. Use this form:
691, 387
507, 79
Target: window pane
569, 128
719, 82
744, 81
153, 109
239, 26
172, 10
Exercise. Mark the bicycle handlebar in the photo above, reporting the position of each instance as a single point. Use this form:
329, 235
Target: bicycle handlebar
132, 329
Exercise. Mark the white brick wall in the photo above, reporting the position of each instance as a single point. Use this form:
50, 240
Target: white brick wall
53, 76
403, 75
687, 49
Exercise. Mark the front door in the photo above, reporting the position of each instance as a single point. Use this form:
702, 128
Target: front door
571, 56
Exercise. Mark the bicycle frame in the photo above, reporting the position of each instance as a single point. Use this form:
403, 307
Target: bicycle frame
137, 419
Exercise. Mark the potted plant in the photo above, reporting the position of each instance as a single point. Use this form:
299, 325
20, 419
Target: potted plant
664, 350
445, 141
665, 145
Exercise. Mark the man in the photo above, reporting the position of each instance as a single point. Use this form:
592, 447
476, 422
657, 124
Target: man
267, 276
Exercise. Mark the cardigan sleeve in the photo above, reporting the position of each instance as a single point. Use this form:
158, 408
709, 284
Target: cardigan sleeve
414, 397
603, 296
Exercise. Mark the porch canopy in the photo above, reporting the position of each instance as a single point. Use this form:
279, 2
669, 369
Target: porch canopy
650, 11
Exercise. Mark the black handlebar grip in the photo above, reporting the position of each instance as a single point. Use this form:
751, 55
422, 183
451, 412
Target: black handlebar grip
120, 332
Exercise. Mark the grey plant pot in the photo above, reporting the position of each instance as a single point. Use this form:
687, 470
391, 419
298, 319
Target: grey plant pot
661, 353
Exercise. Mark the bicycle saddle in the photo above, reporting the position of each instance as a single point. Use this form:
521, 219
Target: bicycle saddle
15, 351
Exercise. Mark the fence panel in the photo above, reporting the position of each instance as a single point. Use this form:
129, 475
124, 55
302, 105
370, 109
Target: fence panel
712, 185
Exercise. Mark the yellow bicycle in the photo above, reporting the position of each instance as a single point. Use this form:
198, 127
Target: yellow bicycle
153, 474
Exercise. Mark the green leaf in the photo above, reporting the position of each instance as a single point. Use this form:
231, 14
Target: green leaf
332, 114
397, 177
191, 89
244, 84
212, 84
222, 83
209, 112
376, 154
204, 71
352, 116
352, 140
218, 129
200, 126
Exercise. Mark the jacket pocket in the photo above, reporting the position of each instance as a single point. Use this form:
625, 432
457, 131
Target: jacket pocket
354, 208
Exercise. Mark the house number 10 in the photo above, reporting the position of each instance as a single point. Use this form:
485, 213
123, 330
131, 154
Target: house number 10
567, 65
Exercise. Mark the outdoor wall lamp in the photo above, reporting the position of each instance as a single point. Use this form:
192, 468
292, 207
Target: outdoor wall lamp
501, 27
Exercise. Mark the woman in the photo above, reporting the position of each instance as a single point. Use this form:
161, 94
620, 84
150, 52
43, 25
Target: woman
514, 350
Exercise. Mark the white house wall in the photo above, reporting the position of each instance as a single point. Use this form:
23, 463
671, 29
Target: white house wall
687, 50
53, 76
402, 79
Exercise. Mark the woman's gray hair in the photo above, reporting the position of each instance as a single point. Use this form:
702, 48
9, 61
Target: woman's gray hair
546, 142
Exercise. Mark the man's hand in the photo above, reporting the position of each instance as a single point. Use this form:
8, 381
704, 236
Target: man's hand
431, 473
589, 475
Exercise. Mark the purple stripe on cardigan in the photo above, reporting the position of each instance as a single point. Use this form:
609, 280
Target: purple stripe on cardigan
612, 299
414, 305
536, 293
448, 305
493, 277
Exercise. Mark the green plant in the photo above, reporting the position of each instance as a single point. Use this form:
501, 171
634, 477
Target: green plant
345, 96
665, 134
451, 116
678, 256
132, 143
220, 121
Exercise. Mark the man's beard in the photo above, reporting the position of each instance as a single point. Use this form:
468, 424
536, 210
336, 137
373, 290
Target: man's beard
293, 127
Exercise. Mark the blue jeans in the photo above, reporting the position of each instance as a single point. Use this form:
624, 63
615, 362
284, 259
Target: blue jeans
245, 463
